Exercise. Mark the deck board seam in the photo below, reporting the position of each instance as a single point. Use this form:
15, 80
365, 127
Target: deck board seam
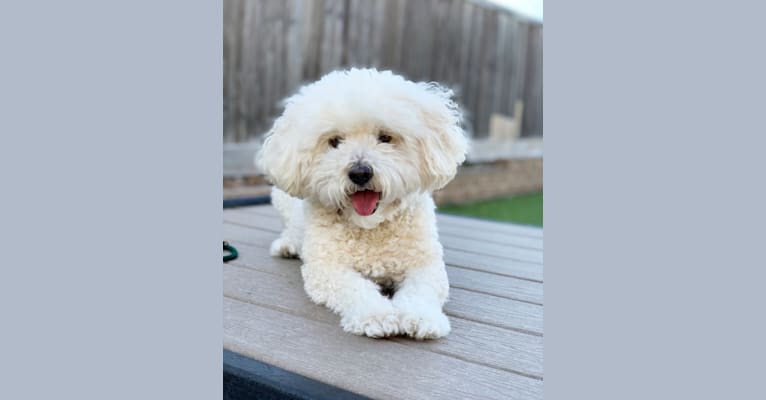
518, 246
446, 234
493, 225
457, 236
533, 262
398, 341
452, 285
452, 264
534, 303
267, 214
446, 262
237, 242
452, 235
518, 330
527, 374
510, 258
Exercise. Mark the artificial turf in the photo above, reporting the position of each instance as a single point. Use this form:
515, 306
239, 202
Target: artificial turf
522, 209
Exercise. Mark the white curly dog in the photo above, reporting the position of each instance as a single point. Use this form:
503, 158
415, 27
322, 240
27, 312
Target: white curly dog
354, 159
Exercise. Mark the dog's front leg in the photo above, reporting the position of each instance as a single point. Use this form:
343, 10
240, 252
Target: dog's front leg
419, 299
363, 310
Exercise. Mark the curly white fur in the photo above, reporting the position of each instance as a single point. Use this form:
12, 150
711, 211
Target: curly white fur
410, 135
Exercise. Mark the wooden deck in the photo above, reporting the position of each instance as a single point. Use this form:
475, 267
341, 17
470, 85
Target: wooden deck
495, 349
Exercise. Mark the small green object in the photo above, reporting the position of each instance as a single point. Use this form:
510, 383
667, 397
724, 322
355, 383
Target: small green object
230, 249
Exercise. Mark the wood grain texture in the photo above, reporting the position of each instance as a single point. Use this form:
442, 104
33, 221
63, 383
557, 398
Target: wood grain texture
494, 265
500, 348
480, 307
509, 287
376, 368
492, 227
448, 220
533, 92
495, 349
260, 230
271, 47
512, 251
272, 221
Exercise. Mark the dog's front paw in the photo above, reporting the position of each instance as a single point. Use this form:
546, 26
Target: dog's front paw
283, 248
374, 325
429, 324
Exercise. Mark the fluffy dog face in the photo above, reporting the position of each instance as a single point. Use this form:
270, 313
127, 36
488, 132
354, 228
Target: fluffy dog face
361, 139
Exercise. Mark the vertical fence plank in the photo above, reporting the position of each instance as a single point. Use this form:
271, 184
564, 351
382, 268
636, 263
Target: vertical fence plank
377, 33
249, 106
488, 65
464, 53
518, 57
533, 93
314, 28
352, 48
391, 44
364, 33
332, 36
398, 36
294, 56
231, 63
500, 93
471, 79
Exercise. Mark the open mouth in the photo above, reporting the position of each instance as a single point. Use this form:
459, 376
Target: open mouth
365, 202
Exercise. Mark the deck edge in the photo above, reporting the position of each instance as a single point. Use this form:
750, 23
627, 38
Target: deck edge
246, 378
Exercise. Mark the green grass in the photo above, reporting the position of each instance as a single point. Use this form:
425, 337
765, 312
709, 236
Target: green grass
523, 209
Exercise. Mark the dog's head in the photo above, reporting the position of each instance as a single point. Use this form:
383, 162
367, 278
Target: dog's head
362, 138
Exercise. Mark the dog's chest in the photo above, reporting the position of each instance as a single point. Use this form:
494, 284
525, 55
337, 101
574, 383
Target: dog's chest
388, 251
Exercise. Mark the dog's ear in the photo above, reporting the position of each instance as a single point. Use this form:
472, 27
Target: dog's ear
282, 158
443, 148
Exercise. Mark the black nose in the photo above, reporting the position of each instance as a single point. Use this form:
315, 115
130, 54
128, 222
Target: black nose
360, 174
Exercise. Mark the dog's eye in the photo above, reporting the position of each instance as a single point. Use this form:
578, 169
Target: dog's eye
383, 138
334, 142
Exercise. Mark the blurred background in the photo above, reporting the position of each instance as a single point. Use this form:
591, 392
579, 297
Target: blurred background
489, 52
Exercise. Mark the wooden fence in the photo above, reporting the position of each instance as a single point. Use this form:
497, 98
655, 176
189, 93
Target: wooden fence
489, 55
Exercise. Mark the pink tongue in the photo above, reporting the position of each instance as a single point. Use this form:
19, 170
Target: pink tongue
365, 202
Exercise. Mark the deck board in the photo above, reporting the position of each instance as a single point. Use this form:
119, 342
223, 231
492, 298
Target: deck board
272, 290
514, 251
503, 286
283, 293
459, 258
521, 248
495, 307
381, 369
